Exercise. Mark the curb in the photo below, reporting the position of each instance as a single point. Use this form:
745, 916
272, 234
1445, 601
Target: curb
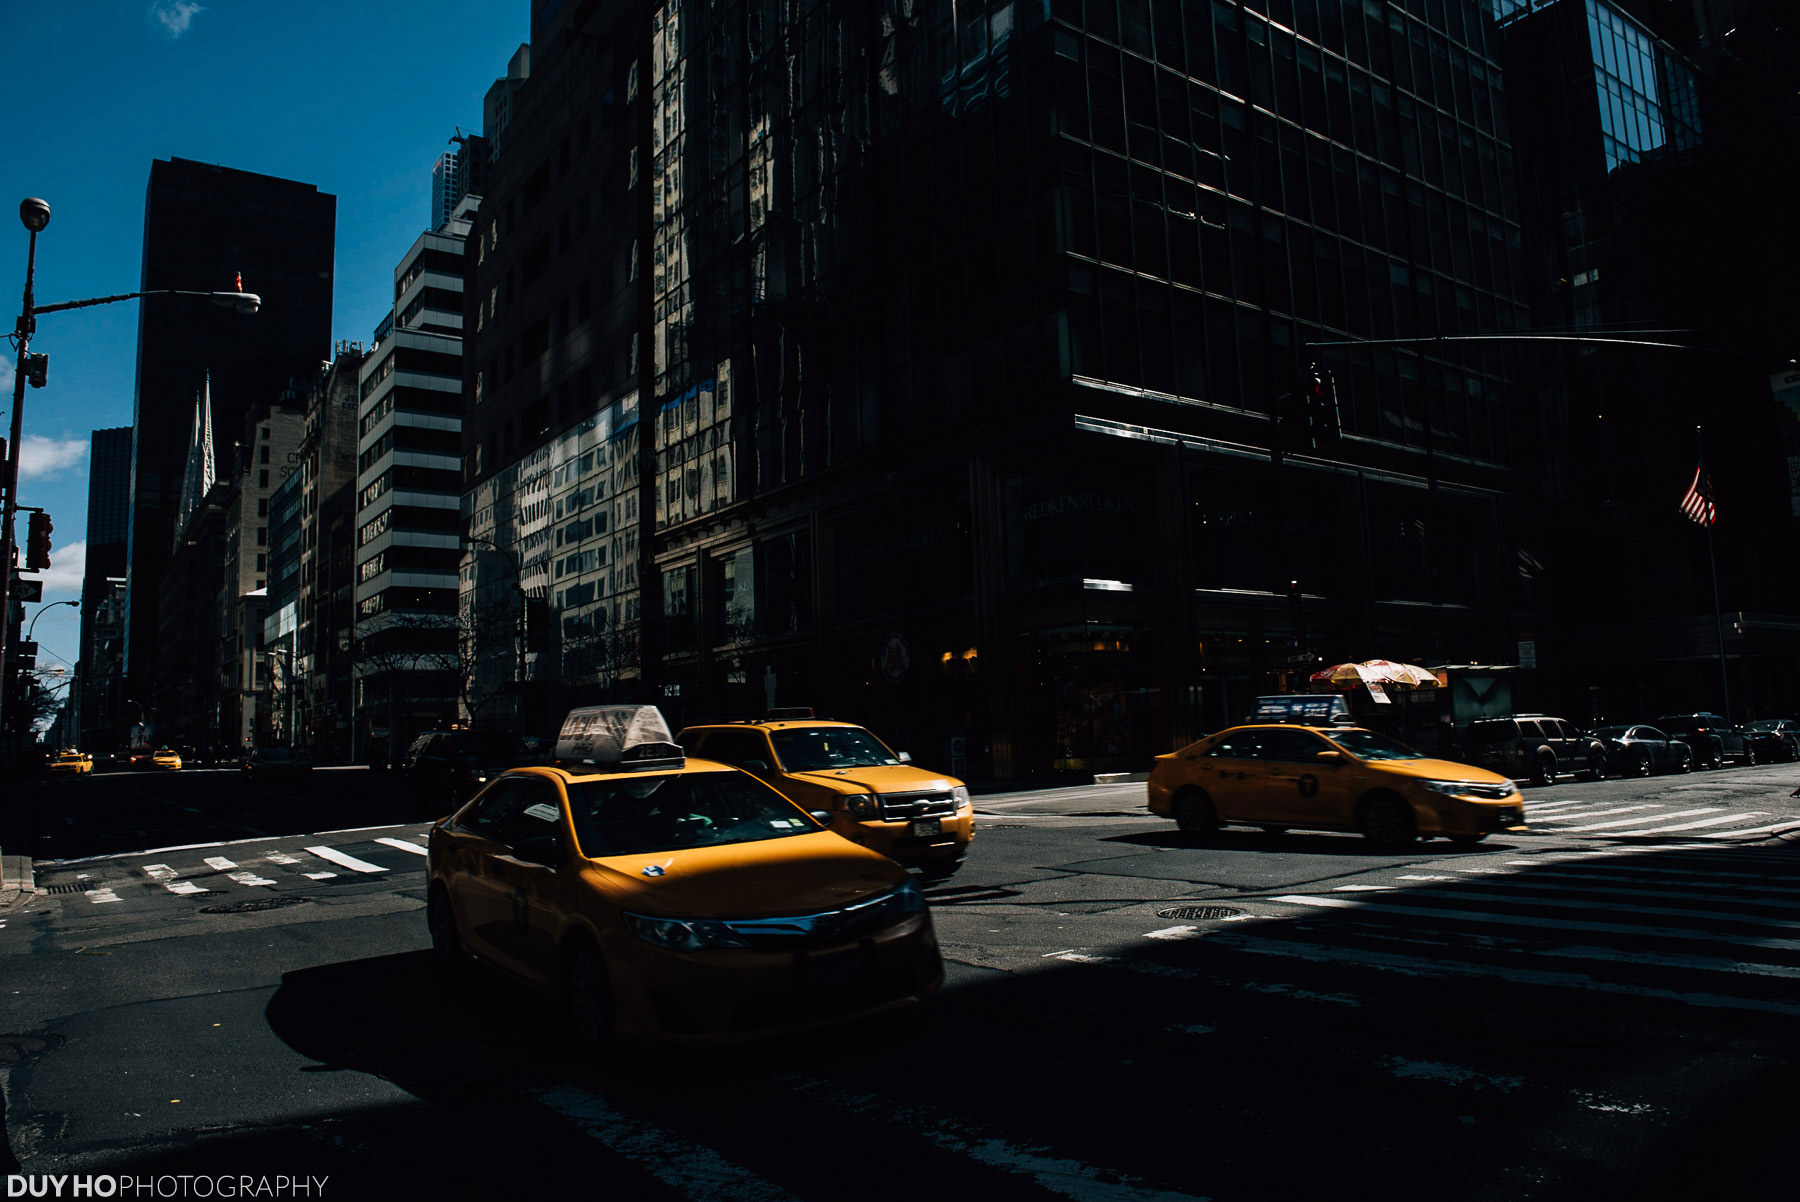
1116, 778
17, 875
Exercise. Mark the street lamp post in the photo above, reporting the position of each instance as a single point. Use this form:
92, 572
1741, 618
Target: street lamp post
35, 214
48, 606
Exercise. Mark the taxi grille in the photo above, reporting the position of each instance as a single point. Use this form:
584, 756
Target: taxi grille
903, 807
821, 929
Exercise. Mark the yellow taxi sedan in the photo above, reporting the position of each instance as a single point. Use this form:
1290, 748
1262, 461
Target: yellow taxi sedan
673, 898
71, 763
873, 795
167, 759
1333, 778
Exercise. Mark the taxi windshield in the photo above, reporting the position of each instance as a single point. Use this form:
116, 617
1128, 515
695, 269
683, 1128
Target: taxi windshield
631, 815
818, 748
1367, 745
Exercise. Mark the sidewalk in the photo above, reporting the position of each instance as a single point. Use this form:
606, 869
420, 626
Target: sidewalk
15, 842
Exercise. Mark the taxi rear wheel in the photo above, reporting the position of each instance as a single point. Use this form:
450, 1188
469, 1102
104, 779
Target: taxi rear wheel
588, 995
1194, 814
1388, 824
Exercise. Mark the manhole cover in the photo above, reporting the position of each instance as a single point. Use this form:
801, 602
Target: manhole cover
1191, 912
254, 904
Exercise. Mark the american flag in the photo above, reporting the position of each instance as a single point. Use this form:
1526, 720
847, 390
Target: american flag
1697, 503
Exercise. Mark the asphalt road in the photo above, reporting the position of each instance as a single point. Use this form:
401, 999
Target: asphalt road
1602, 1007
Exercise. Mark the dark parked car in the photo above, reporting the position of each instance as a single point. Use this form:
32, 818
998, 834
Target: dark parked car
276, 763
1642, 750
446, 767
1713, 739
1776, 739
1534, 747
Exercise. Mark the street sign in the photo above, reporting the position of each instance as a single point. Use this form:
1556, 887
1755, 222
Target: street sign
27, 590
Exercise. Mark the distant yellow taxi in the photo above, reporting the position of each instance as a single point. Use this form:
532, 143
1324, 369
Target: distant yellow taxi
878, 798
166, 758
1334, 778
70, 762
674, 898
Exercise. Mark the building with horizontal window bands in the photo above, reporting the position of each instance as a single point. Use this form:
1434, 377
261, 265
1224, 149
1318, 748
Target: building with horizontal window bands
97, 695
553, 454
204, 227
1630, 153
976, 395
408, 499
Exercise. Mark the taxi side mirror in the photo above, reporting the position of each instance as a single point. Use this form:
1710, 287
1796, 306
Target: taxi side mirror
754, 765
1329, 757
905, 757
822, 817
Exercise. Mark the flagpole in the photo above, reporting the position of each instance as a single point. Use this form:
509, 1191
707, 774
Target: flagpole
1713, 562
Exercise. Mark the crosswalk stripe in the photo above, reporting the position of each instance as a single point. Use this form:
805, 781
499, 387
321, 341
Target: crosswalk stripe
1540, 807
344, 859
403, 845
219, 863
101, 897
321, 876
1417, 967
249, 878
1688, 826
1617, 822
693, 1170
1598, 813
1527, 920
1760, 830
1588, 885
277, 857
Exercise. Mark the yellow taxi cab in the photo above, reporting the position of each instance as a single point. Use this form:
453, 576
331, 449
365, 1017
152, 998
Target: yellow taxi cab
1335, 778
921, 819
166, 758
70, 762
674, 898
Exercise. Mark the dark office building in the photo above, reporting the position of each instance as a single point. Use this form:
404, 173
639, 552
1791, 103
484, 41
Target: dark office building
204, 227
108, 526
972, 356
1630, 155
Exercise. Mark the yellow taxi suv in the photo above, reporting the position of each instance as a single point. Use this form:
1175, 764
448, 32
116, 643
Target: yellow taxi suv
70, 762
874, 797
672, 898
1333, 778
167, 759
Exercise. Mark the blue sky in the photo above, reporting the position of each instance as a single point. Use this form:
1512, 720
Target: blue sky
358, 99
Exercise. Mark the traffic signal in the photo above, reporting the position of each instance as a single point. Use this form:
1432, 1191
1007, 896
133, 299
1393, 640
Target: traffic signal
1318, 399
35, 368
37, 543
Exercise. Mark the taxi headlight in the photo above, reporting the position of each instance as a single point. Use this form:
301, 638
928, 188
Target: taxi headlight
862, 805
1469, 788
683, 934
960, 795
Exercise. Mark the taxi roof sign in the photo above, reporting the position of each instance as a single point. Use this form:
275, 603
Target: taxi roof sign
634, 736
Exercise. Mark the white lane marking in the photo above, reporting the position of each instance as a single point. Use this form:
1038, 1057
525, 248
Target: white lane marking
1618, 822
1152, 968
249, 878
344, 860
403, 845
690, 1169
1414, 967
183, 887
1597, 813
1173, 933
1447, 878
1544, 807
357, 830
278, 857
1362, 889
101, 896
320, 876
1596, 1102
153, 851
1688, 826
1526, 920
1057, 1174
160, 873
219, 863
1756, 830
1449, 1074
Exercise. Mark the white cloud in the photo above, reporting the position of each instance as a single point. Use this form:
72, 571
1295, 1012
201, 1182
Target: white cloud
67, 563
6, 376
40, 456
175, 17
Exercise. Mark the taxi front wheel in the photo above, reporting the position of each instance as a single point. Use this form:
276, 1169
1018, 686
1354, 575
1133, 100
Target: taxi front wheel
588, 994
1388, 824
446, 943
1195, 815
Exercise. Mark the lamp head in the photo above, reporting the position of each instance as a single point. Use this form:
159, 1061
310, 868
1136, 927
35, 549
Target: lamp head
34, 213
